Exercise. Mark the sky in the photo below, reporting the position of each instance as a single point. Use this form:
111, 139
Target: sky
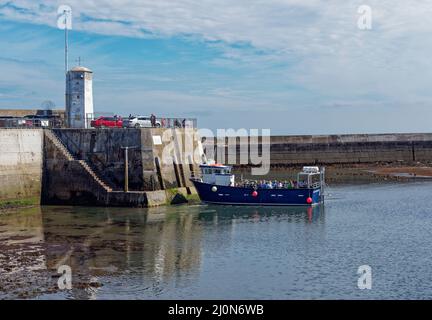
292, 66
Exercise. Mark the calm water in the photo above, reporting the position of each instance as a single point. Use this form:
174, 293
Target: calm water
215, 252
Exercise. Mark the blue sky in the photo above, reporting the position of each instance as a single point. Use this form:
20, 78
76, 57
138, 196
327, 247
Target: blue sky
296, 67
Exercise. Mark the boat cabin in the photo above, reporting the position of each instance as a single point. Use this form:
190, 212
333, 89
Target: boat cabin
310, 177
217, 174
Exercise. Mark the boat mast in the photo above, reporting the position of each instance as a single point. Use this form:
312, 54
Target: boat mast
322, 178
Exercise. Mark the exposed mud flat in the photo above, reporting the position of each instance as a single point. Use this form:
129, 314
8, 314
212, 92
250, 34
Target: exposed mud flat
96, 243
29, 263
23, 274
418, 172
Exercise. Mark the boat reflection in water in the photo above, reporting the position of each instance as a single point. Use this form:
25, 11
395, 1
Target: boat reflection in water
137, 253
291, 213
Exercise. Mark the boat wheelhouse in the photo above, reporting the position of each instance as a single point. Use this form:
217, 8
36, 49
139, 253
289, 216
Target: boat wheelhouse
217, 185
217, 174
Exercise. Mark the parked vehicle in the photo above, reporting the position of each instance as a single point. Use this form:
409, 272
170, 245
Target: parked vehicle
107, 122
139, 122
40, 121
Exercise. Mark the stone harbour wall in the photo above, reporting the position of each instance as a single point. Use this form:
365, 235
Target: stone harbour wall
21, 165
86, 166
345, 149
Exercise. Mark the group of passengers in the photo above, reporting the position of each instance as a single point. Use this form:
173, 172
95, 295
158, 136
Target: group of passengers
264, 184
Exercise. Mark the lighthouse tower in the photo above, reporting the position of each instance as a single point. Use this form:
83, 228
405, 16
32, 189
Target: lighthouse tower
79, 97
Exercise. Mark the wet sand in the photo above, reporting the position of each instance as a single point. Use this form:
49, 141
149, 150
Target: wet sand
405, 172
25, 270
22, 266
95, 242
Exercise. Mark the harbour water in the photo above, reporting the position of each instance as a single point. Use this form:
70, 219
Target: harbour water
223, 252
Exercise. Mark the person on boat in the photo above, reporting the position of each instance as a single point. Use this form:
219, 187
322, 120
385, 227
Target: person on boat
301, 184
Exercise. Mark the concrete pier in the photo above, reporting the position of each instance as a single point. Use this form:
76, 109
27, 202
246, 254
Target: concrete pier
86, 167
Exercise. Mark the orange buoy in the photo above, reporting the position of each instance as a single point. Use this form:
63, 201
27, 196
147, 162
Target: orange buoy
254, 194
309, 200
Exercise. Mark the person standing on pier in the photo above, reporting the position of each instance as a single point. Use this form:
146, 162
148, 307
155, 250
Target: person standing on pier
153, 120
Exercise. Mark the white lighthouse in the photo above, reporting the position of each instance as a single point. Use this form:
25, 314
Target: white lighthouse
79, 97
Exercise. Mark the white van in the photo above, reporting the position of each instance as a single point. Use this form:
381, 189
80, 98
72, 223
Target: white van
139, 122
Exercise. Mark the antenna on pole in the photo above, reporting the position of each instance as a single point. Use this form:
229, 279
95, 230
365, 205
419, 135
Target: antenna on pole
65, 22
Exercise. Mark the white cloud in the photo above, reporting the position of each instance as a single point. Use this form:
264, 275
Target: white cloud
284, 28
286, 25
316, 43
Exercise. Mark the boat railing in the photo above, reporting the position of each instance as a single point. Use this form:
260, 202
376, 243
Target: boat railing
315, 185
195, 176
252, 185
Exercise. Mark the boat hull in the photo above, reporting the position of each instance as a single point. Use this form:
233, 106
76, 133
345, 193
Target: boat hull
227, 195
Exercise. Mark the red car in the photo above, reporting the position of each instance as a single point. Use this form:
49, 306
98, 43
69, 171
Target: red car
107, 122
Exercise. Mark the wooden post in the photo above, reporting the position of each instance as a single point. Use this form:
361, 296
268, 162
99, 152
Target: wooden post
126, 168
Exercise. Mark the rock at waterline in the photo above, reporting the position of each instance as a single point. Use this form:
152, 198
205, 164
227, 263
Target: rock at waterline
179, 199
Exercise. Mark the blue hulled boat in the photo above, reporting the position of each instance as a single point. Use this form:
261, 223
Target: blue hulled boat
217, 186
